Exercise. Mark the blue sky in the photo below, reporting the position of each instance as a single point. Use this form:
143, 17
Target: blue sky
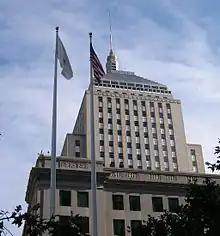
173, 42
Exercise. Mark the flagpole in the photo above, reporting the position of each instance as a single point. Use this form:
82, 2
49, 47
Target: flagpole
93, 159
53, 138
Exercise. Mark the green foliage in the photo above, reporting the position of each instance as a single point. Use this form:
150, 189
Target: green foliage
35, 225
216, 165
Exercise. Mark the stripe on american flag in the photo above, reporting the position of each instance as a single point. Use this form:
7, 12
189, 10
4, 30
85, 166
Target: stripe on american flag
98, 70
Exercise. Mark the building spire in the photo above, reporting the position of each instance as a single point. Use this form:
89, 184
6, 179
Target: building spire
111, 64
110, 32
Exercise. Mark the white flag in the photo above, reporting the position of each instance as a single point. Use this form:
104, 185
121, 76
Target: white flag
67, 71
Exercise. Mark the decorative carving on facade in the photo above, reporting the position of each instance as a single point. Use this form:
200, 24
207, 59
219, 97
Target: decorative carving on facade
124, 175
66, 164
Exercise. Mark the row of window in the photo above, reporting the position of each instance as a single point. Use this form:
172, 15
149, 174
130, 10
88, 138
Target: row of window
118, 201
137, 87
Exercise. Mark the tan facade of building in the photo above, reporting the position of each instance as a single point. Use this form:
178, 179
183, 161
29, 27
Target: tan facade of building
135, 127
124, 196
144, 163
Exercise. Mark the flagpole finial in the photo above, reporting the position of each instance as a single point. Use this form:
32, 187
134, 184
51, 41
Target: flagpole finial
90, 37
57, 29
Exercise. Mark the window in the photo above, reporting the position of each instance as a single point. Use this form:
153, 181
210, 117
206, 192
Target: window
110, 131
77, 142
121, 164
120, 155
112, 164
119, 227
135, 226
102, 154
118, 122
128, 133
128, 145
119, 132
82, 199
83, 223
134, 202
119, 144
173, 204
111, 155
101, 142
127, 122
101, 131
110, 143
118, 202
168, 106
157, 203
144, 124
169, 116
65, 198
100, 120
77, 154
135, 112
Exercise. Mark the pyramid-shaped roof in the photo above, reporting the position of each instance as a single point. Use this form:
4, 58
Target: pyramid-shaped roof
125, 76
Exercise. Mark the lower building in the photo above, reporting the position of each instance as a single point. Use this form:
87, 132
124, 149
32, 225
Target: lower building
125, 196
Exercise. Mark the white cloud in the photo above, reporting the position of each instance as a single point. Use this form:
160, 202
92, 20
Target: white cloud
180, 58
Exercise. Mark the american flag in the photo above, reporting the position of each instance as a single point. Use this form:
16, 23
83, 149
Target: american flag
98, 71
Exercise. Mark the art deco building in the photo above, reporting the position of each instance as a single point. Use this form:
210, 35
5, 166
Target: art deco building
144, 162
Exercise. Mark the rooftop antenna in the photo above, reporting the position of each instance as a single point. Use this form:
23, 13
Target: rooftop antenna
110, 31
111, 64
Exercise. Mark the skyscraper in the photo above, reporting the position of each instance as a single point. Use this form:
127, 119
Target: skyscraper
138, 125
143, 160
